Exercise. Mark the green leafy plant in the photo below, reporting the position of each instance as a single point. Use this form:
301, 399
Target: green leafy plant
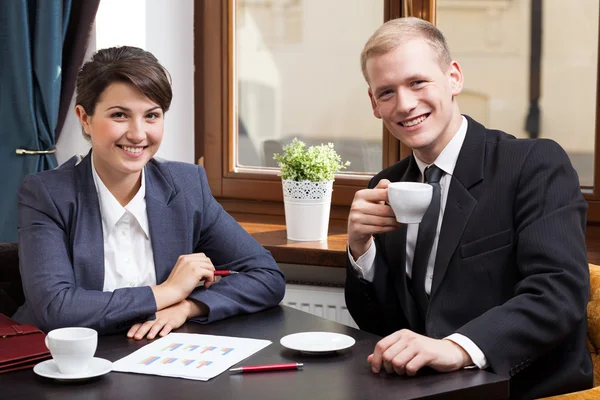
314, 163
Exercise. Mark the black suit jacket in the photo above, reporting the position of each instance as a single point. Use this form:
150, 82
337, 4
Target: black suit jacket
511, 270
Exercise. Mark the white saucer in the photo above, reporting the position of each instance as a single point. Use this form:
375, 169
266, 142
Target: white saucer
317, 342
49, 369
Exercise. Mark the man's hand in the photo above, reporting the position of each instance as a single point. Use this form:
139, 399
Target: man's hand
168, 319
369, 215
405, 352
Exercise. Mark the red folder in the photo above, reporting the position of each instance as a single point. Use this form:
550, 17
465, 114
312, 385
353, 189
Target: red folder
21, 346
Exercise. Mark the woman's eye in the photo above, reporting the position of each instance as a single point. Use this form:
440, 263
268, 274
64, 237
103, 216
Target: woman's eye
118, 115
153, 116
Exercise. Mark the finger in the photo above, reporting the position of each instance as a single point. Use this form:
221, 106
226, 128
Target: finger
193, 256
375, 360
166, 329
388, 366
370, 222
375, 209
375, 195
415, 364
156, 328
395, 339
382, 184
369, 230
141, 332
133, 330
397, 359
209, 279
209, 283
195, 259
204, 260
377, 356
396, 356
367, 224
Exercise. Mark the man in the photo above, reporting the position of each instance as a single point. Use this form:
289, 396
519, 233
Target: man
497, 277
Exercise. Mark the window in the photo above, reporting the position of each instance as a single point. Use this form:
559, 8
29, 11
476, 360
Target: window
269, 71
531, 72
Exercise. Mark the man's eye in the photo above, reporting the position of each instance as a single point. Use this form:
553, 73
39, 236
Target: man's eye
418, 83
383, 94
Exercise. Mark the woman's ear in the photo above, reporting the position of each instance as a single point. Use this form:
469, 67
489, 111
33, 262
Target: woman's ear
84, 119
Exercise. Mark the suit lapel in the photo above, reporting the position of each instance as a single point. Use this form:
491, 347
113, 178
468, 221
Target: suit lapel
167, 221
86, 236
460, 203
395, 245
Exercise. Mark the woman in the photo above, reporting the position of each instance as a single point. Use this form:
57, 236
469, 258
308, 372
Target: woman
119, 240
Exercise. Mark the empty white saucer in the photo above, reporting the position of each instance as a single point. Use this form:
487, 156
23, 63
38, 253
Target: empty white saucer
317, 342
49, 369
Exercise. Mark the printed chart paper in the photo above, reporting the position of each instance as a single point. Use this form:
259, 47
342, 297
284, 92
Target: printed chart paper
189, 355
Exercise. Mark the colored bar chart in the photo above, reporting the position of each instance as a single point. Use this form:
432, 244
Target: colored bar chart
203, 364
208, 348
227, 350
172, 347
169, 360
187, 362
149, 360
190, 347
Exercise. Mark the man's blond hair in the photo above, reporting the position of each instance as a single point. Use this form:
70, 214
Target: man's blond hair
400, 30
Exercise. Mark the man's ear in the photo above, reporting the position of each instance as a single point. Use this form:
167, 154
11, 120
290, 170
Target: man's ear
374, 105
456, 78
84, 119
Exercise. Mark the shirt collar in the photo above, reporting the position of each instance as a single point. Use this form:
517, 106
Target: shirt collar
112, 211
137, 206
446, 161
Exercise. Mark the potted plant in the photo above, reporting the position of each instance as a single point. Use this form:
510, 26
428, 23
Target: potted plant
307, 178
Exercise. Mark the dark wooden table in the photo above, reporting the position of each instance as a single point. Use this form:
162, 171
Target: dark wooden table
342, 375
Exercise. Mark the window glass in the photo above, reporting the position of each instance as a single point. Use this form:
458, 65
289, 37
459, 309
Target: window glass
491, 40
297, 69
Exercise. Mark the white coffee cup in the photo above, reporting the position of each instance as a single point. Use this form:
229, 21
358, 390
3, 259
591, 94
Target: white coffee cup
72, 348
409, 200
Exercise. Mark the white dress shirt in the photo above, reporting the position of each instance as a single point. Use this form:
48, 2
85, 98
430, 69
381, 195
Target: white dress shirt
365, 265
128, 256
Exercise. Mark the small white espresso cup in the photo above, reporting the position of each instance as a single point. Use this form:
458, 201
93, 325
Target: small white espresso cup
409, 200
72, 348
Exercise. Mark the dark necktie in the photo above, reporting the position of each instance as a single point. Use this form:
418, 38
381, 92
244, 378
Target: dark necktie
425, 238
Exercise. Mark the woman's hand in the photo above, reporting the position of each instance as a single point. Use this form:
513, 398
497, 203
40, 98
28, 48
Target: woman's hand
184, 277
168, 319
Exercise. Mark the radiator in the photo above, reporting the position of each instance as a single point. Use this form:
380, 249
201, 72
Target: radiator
323, 301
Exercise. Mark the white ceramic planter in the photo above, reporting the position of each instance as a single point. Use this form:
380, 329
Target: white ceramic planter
307, 205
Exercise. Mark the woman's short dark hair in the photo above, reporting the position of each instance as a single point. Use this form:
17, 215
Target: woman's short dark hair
123, 64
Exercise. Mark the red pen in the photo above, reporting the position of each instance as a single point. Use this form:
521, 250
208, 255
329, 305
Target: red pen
266, 368
225, 272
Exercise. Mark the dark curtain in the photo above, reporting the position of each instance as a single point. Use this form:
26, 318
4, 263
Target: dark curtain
33, 36
83, 13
